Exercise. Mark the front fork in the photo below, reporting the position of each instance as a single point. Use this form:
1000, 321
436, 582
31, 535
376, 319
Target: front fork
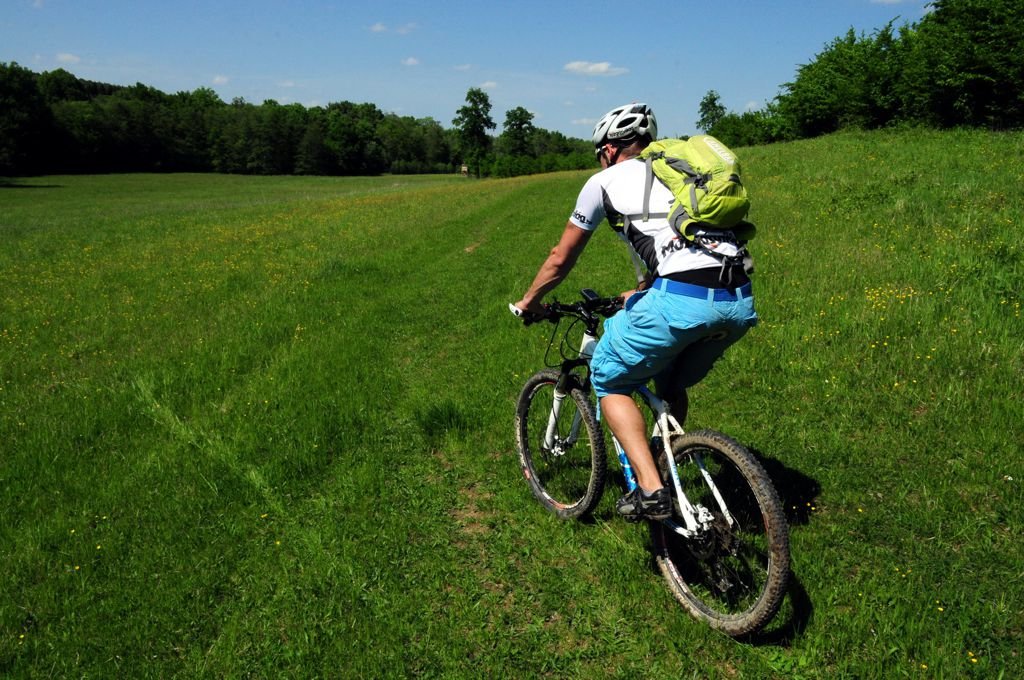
566, 382
552, 442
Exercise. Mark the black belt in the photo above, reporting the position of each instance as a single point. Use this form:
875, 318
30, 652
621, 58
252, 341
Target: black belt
711, 277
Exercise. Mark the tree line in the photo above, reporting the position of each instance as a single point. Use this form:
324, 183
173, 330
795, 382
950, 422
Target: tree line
962, 65
56, 122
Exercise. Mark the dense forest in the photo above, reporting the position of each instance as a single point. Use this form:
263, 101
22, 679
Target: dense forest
56, 122
961, 65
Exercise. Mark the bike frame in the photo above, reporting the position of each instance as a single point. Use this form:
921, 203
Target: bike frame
696, 519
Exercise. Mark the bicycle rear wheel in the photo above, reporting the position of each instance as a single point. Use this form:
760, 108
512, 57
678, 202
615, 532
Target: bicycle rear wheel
563, 458
733, 575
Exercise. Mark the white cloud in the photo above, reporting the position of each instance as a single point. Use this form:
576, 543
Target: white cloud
404, 29
585, 121
411, 61
489, 85
66, 58
286, 83
463, 67
220, 80
590, 68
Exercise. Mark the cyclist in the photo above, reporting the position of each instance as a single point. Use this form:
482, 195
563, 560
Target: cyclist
679, 320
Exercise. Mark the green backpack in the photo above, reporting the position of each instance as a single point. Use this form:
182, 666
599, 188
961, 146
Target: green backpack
704, 176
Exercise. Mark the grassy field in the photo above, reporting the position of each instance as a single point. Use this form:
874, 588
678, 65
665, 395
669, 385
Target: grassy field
263, 426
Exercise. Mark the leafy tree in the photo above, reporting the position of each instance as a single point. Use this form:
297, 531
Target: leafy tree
81, 138
437, 147
546, 142
963, 64
973, 51
518, 131
351, 131
914, 88
746, 129
60, 85
277, 132
193, 116
230, 137
472, 122
828, 92
312, 156
413, 145
25, 121
711, 111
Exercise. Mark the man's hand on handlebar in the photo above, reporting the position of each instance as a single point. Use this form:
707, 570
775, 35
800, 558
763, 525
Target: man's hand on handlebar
528, 315
591, 304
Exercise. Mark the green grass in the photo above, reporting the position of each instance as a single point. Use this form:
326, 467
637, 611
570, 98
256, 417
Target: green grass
263, 426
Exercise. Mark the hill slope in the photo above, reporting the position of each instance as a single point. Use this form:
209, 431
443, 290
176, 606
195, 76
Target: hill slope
263, 425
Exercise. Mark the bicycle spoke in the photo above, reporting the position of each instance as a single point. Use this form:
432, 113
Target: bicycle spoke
730, 574
561, 451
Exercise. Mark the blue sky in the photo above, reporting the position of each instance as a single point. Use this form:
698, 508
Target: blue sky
567, 62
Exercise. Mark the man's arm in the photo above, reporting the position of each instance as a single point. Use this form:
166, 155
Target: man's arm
556, 267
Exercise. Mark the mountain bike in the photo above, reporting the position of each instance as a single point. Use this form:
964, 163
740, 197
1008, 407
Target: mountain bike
724, 552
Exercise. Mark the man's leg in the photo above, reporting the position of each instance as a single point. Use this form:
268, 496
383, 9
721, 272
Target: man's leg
669, 387
636, 346
627, 424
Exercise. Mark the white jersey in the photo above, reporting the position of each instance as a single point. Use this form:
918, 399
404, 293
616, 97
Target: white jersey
617, 192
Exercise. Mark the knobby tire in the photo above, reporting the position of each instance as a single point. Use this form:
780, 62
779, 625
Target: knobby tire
732, 578
568, 480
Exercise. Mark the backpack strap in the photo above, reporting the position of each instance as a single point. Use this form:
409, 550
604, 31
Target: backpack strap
638, 264
742, 256
648, 185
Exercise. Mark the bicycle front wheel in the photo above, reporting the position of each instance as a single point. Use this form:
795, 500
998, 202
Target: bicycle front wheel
733, 574
561, 446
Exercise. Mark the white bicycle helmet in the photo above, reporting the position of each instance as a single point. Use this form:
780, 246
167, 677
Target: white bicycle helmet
624, 123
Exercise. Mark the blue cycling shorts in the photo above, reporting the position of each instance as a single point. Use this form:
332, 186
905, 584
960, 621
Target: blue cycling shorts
669, 337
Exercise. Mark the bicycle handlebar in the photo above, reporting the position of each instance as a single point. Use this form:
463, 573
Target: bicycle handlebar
592, 304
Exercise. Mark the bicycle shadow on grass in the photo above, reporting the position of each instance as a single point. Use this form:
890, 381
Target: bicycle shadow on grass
781, 632
798, 493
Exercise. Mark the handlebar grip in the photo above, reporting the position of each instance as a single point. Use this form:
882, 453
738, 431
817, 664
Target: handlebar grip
527, 316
